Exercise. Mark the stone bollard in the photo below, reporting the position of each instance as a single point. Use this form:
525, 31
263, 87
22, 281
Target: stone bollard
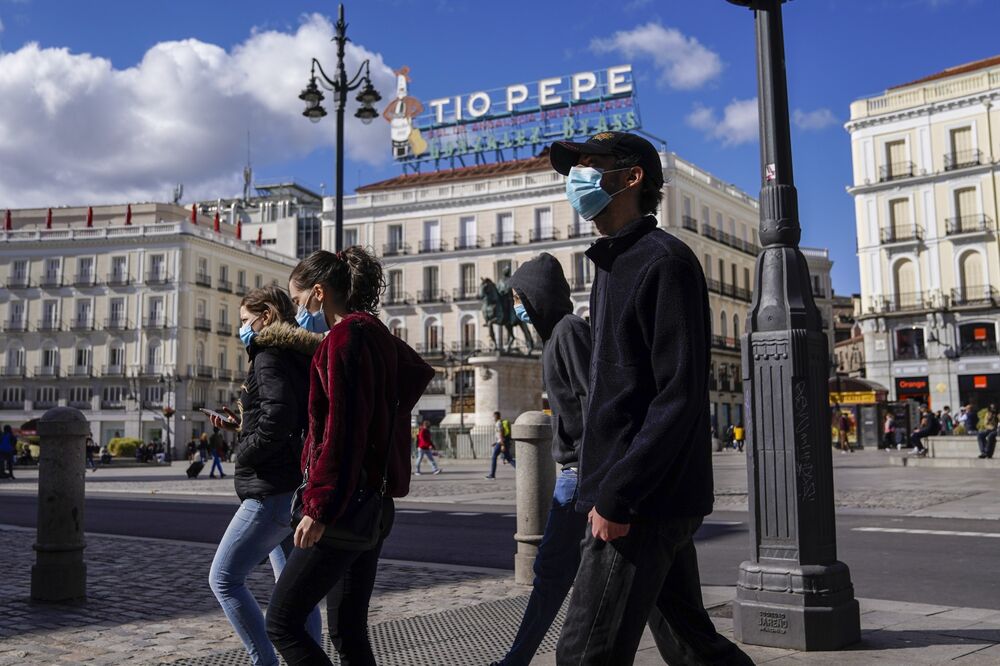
536, 479
59, 572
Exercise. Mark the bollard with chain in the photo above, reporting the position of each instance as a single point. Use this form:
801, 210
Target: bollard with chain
59, 572
536, 479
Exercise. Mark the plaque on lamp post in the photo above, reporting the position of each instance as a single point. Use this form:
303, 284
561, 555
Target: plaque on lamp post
793, 592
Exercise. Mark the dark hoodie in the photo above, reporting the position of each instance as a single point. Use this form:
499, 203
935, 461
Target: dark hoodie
544, 293
273, 411
357, 374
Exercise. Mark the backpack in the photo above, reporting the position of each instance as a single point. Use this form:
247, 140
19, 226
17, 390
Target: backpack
505, 426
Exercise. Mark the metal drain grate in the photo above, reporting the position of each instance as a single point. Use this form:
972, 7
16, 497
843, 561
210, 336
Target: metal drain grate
468, 636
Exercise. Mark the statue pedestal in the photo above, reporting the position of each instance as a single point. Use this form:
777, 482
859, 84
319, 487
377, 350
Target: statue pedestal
510, 385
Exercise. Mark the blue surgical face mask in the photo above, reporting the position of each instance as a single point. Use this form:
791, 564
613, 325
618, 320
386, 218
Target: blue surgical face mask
314, 322
521, 313
247, 334
584, 191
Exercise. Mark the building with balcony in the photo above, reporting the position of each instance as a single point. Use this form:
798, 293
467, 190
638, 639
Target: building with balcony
440, 232
121, 320
925, 192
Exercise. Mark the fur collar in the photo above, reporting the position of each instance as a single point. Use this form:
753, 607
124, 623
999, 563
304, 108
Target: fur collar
288, 336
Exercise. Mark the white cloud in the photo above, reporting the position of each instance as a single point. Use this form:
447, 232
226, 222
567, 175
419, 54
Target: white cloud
73, 129
813, 120
684, 62
737, 125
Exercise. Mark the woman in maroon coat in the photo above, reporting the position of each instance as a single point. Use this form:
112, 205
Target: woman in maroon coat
358, 374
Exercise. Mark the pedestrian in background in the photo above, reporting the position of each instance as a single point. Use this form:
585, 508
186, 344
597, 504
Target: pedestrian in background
203, 447
947, 422
987, 434
646, 463
844, 431
501, 444
8, 444
928, 427
273, 415
425, 448
542, 300
364, 384
217, 443
889, 431
738, 436
90, 449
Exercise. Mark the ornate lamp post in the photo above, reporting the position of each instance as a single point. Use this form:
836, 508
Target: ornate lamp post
170, 384
340, 86
793, 592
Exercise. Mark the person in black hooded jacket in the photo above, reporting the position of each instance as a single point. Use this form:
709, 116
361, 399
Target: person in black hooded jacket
541, 298
273, 413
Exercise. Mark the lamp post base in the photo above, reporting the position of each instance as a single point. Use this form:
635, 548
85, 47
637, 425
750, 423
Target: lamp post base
808, 608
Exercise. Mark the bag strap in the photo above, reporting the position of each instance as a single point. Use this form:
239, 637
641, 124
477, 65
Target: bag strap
388, 451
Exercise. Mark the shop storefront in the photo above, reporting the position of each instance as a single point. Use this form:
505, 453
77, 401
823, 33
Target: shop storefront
914, 388
979, 390
864, 403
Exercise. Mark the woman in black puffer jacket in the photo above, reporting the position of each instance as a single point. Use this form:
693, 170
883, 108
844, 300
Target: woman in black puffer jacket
272, 417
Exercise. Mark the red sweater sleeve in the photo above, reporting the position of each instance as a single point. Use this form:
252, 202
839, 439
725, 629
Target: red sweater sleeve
340, 411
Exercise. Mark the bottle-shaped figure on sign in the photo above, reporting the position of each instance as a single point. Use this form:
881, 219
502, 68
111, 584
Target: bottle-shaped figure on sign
400, 112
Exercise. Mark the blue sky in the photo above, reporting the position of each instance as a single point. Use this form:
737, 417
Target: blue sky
120, 99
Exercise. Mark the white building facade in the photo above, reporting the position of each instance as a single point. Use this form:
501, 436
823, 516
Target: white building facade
123, 320
925, 193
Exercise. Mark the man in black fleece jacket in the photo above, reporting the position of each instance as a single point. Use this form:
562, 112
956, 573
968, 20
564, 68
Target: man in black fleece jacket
646, 465
541, 298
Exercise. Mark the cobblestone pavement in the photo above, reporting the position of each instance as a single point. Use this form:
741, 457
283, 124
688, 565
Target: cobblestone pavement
140, 612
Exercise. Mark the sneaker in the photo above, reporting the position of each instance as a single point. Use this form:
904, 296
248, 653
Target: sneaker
842, 451
490, 477
437, 471
417, 474
982, 456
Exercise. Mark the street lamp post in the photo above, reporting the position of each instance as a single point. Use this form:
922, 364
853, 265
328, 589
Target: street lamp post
340, 86
793, 592
170, 384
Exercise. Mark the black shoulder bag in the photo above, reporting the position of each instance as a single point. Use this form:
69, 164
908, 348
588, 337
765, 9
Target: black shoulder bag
359, 527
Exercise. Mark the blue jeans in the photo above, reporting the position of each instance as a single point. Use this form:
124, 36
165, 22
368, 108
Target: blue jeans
555, 568
496, 454
426, 453
259, 528
217, 462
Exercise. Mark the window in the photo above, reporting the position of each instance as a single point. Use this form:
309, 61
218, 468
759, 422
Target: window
966, 206
241, 279
16, 310
153, 355
152, 395
20, 270
502, 268
910, 343
732, 273
430, 281
80, 395
46, 396
202, 266
736, 326
395, 242
157, 267
258, 281
432, 236
397, 328
687, 206
722, 271
199, 354
718, 221
83, 312
723, 325
581, 271
10, 396
223, 273
394, 286
116, 355
746, 279
309, 235
117, 310
543, 224
53, 269
972, 284
708, 266
156, 315
201, 308
906, 294
350, 237
241, 363
50, 314
705, 215
432, 335
732, 229
465, 382
84, 357
223, 358
466, 232
224, 314
85, 269
467, 274
978, 339
469, 334
505, 229
119, 268
900, 222
114, 395
895, 156
15, 357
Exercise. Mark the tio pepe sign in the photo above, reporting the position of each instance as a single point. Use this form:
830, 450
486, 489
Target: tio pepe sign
520, 115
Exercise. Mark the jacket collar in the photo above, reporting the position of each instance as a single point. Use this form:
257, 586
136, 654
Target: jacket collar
283, 335
605, 250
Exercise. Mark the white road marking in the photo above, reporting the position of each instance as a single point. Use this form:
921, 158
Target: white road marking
726, 523
463, 513
510, 515
411, 511
900, 530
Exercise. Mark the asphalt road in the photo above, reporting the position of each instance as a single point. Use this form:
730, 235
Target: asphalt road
924, 560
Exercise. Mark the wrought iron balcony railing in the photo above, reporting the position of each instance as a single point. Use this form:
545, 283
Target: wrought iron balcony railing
892, 235
975, 295
395, 249
116, 324
432, 296
968, 224
895, 171
203, 280
224, 285
505, 238
468, 243
689, 223
961, 159
118, 280
395, 298
584, 229
542, 235
431, 245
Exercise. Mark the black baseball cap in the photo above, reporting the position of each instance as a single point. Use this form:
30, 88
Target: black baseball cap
566, 154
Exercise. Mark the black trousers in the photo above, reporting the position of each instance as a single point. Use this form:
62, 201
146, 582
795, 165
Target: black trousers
650, 575
310, 574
